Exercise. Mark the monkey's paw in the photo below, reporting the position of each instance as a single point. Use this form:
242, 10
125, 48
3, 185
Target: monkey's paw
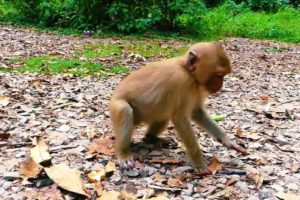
202, 170
128, 163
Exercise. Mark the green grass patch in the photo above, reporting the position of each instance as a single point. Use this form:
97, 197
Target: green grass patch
224, 21
153, 48
50, 65
101, 50
5, 69
147, 49
119, 70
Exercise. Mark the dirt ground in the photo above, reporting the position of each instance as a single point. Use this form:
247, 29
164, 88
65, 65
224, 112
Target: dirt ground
260, 100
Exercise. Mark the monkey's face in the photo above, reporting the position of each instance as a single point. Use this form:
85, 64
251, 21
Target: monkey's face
211, 65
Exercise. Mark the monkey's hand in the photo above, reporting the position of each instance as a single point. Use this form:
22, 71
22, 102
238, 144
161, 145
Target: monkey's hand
232, 145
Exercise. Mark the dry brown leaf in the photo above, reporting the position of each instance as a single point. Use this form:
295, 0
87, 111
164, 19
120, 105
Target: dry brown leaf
239, 132
165, 161
96, 175
126, 196
99, 188
249, 135
29, 168
39, 153
232, 180
173, 182
288, 196
109, 195
66, 178
158, 177
257, 177
215, 165
110, 167
104, 146
264, 99
4, 100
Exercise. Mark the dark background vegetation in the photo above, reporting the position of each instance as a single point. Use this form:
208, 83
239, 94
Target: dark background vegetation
264, 19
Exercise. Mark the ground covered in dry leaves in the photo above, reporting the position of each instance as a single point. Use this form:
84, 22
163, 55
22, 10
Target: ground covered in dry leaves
62, 122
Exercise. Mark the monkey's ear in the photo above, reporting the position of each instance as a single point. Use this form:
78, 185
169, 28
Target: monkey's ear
191, 61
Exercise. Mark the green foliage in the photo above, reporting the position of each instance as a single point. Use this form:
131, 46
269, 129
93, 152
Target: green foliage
270, 19
120, 15
240, 21
50, 65
267, 5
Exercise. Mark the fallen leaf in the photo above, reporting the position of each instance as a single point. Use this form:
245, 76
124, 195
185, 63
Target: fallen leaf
99, 188
257, 177
145, 193
173, 182
264, 99
91, 134
4, 136
40, 153
158, 177
104, 146
182, 169
126, 196
110, 195
4, 100
239, 132
218, 118
66, 178
29, 168
295, 166
215, 165
249, 135
287, 196
110, 167
96, 175
232, 180
165, 161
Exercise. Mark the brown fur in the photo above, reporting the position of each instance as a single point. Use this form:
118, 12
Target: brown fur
174, 89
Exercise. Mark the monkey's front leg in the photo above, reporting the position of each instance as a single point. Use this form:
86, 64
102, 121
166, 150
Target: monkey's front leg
188, 137
200, 116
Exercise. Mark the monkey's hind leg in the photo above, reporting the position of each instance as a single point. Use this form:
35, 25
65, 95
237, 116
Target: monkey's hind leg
121, 114
153, 132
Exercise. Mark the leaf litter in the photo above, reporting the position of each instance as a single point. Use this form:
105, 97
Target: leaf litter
260, 100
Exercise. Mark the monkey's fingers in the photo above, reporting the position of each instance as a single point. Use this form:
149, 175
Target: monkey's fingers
127, 163
237, 147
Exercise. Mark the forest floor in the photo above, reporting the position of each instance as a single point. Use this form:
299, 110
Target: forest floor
260, 101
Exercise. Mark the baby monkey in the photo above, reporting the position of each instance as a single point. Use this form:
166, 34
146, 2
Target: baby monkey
171, 90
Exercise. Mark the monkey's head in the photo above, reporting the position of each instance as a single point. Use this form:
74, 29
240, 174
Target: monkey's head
208, 64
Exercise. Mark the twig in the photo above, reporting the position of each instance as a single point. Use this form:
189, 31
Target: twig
164, 188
